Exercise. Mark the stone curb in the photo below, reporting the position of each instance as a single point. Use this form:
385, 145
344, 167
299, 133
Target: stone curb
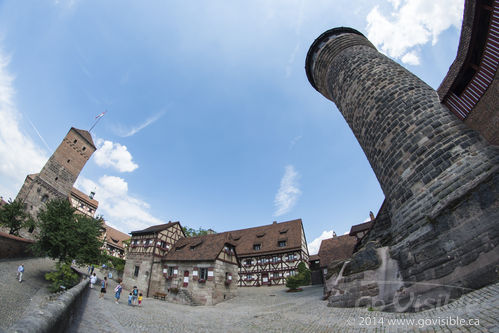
56, 316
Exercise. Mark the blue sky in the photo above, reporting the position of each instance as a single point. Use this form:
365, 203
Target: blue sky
210, 118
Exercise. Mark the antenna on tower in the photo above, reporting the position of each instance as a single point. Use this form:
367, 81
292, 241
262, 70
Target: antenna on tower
97, 120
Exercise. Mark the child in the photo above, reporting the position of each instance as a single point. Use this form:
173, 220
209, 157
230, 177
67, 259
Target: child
135, 294
130, 299
93, 280
140, 299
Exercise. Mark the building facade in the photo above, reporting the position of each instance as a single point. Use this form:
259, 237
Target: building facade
147, 248
270, 253
57, 177
84, 204
201, 270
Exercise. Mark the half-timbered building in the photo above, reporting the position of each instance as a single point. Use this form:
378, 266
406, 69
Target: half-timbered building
270, 253
147, 248
201, 270
113, 241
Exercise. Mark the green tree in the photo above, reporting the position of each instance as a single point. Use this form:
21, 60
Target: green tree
303, 277
190, 232
14, 216
65, 235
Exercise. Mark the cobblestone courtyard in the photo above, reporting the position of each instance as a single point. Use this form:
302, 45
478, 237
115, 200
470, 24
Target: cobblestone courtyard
268, 309
271, 309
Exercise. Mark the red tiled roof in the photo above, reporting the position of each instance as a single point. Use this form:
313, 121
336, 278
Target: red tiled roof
82, 196
198, 248
336, 248
155, 228
115, 237
268, 237
313, 257
361, 227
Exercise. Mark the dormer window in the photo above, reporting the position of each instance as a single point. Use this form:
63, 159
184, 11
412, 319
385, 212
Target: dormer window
75, 141
283, 231
260, 235
257, 247
281, 243
178, 248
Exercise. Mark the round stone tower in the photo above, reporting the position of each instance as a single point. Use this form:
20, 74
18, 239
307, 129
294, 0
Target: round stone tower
423, 156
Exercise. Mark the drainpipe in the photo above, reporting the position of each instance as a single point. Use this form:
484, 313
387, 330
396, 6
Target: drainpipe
152, 262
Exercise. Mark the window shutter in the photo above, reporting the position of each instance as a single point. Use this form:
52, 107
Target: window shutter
175, 271
195, 274
210, 274
230, 277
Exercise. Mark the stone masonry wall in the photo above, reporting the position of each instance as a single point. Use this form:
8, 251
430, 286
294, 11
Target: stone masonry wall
440, 178
142, 280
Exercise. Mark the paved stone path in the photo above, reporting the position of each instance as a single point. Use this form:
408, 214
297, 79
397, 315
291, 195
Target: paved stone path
17, 298
273, 310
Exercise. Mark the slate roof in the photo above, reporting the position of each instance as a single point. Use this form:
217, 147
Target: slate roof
366, 226
336, 248
200, 248
154, 228
80, 195
86, 135
268, 236
115, 237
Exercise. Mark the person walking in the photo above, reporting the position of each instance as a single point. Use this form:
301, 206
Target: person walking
135, 295
103, 287
117, 292
93, 280
20, 272
92, 270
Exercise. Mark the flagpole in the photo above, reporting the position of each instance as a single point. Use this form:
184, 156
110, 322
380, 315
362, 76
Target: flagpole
98, 118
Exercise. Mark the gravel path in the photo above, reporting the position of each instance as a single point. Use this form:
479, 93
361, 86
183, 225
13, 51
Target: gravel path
17, 298
273, 310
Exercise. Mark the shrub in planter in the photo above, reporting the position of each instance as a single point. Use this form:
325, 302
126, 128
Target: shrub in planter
293, 282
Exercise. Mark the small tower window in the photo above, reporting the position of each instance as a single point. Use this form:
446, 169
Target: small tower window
56, 178
45, 198
69, 161
75, 141
84, 148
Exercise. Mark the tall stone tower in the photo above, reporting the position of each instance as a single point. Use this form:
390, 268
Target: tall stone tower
429, 164
57, 177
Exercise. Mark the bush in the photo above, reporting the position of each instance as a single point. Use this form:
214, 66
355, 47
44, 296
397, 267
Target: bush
293, 282
64, 277
116, 263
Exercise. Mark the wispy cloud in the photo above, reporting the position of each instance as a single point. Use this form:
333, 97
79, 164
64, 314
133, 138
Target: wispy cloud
294, 141
119, 208
115, 155
411, 24
14, 166
123, 132
313, 246
288, 192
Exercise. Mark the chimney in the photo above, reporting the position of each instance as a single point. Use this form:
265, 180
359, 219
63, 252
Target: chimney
91, 196
275, 222
371, 215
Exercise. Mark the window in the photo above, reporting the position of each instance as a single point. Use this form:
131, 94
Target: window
170, 271
281, 243
136, 272
276, 259
84, 148
257, 247
248, 262
249, 277
135, 242
75, 141
292, 273
69, 161
45, 198
291, 257
203, 274
283, 231
146, 242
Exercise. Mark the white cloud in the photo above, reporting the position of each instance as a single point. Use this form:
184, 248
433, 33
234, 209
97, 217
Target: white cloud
294, 141
134, 130
313, 246
288, 192
14, 166
120, 209
411, 24
109, 154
